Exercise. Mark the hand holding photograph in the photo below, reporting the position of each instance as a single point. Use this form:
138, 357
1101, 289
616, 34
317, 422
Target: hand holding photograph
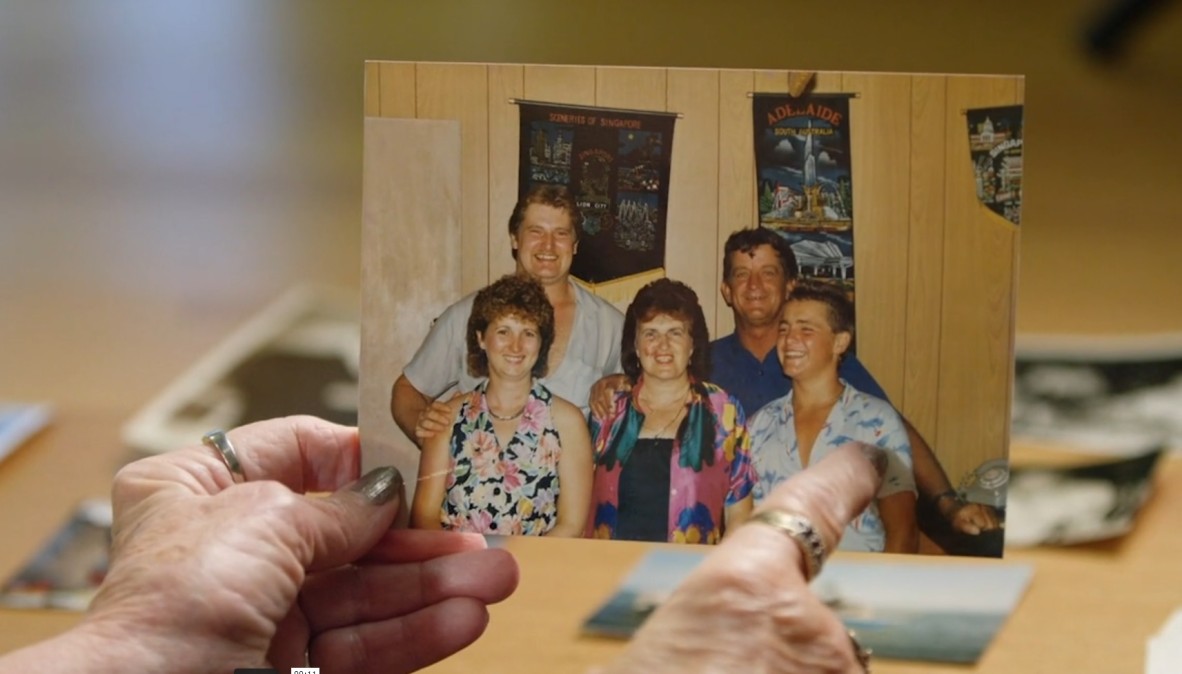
902, 611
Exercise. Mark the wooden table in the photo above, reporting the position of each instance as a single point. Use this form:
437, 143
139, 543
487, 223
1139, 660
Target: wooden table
1089, 608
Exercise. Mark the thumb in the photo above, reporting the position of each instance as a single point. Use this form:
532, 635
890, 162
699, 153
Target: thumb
342, 527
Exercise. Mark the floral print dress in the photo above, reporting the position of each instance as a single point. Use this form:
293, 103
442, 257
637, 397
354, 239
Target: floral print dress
503, 490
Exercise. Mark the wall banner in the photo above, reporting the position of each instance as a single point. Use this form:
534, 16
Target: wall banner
616, 164
995, 146
803, 180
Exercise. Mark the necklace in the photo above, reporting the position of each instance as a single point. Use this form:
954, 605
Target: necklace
669, 425
511, 417
675, 419
499, 417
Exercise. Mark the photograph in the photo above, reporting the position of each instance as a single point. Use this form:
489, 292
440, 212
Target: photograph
297, 355
66, 573
19, 422
900, 611
1078, 504
532, 386
1100, 394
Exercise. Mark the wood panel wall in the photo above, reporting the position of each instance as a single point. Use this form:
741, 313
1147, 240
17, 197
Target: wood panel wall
401, 240
936, 270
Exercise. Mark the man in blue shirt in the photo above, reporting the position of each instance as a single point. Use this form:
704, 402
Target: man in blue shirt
759, 270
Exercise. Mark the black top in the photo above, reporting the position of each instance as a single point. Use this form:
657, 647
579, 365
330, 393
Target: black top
644, 492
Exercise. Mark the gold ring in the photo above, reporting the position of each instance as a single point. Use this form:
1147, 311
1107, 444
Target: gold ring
801, 530
218, 441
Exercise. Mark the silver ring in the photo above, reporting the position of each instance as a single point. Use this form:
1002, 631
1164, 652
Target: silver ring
802, 532
218, 441
861, 653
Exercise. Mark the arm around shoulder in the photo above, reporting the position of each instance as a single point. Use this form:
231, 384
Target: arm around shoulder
603, 393
612, 328
930, 477
437, 365
406, 404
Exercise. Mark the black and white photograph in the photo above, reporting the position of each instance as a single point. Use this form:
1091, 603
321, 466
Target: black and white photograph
1106, 395
297, 355
1066, 505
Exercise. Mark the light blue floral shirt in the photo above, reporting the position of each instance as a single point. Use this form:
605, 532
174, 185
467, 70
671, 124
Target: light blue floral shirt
856, 416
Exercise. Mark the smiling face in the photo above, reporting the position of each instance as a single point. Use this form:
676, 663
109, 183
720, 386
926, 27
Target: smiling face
545, 243
807, 345
756, 287
511, 344
664, 346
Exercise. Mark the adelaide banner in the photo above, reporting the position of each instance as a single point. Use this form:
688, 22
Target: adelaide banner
803, 180
995, 146
616, 164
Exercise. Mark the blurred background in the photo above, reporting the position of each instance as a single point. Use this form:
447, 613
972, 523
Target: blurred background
185, 161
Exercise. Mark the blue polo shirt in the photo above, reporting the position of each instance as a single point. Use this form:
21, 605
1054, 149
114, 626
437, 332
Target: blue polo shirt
756, 383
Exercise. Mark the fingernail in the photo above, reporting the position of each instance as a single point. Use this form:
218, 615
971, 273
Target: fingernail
876, 457
379, 485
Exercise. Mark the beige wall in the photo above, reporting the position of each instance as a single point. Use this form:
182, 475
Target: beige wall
936, 271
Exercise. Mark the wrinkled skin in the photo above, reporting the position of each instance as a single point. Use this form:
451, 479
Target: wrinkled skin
207, 575
747, 607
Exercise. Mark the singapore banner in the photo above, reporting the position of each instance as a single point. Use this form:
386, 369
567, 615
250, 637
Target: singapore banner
616, 165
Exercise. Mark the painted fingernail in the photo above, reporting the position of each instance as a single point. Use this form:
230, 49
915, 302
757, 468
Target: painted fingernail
379, 485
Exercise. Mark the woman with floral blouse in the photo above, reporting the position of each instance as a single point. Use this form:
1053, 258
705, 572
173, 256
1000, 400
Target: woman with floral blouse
518, 458
672, 461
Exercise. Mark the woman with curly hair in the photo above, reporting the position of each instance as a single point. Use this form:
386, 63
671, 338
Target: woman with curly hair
518, 458
672, 459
